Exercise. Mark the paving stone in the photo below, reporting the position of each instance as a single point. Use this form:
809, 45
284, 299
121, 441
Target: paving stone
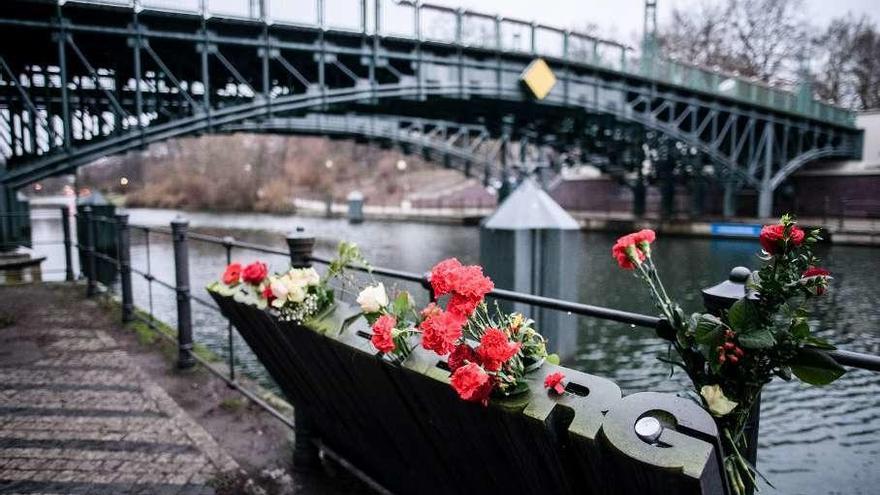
78, 417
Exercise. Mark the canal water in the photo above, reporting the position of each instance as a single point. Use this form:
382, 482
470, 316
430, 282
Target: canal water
813, 440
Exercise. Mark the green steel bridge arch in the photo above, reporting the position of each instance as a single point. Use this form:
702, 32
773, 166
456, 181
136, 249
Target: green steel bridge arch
84, 79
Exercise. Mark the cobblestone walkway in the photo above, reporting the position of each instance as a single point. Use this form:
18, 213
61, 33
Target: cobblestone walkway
77, 417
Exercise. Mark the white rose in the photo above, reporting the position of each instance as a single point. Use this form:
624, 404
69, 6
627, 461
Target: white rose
303, 276
718, 403
312, 277
373, 298
296, 294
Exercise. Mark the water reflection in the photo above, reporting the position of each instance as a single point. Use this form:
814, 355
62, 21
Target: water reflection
813, 440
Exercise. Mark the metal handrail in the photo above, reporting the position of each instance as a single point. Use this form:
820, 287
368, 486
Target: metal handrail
842, 357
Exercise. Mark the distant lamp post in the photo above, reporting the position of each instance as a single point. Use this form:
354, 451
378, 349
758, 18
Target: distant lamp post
328, 164
123, 181
401, 165
38, 187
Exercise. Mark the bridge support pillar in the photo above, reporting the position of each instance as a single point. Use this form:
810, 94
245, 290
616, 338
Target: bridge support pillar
729, 206
765, 201
530, 244
639, 192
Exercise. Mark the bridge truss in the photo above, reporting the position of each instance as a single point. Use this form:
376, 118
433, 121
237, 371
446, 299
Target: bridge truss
82, 80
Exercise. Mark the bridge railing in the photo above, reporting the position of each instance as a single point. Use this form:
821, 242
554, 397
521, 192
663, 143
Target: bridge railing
428, 22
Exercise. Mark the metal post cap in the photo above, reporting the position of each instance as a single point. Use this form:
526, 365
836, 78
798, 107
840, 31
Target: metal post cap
722, 296
739, 275
649, 429
180, 220
298, 233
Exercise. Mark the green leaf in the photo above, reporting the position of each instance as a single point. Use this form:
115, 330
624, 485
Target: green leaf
372, 317
800, 329
552, 359
759, 339
815, 367
708, 329
743, 315
819, 342
402, 304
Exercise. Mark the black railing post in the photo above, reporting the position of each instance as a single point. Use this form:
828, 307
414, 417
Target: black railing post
179, 227
305, 451
68, 244
123, 243
91, 269
301, 245
227, 245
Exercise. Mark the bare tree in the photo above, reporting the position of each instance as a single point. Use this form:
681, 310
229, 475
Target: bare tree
866, 68
754, 38
699, 35
848, 54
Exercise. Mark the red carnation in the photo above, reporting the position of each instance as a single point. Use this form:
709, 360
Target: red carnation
773, 238
554, 382
267, 294
232, 275
460, 356
431, 310
444, 276
472, 383
255, 273
471, 286
383, 333
462, 305
495, 349
441, 331
467, 284
626, 250
815, 271
821, 276
645, 235
472, 283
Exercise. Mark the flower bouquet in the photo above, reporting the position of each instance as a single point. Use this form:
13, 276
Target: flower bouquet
489, 353
297, 295
729, 358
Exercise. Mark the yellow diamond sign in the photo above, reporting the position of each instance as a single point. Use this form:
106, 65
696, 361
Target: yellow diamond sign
538, 78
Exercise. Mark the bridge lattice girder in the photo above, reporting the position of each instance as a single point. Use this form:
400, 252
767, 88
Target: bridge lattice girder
81, 81
468, 148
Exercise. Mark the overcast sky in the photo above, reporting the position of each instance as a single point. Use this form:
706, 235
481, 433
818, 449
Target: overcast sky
622, 19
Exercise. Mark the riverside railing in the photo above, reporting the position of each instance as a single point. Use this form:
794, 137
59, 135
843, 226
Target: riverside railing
300, 247
35, 247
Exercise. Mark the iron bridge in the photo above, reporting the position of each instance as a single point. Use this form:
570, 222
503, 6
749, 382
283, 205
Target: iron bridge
80, 80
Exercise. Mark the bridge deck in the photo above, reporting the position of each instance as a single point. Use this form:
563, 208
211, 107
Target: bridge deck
76, 416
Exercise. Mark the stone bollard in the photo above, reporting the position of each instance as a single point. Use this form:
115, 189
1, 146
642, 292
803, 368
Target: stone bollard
185, 359
355, 207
